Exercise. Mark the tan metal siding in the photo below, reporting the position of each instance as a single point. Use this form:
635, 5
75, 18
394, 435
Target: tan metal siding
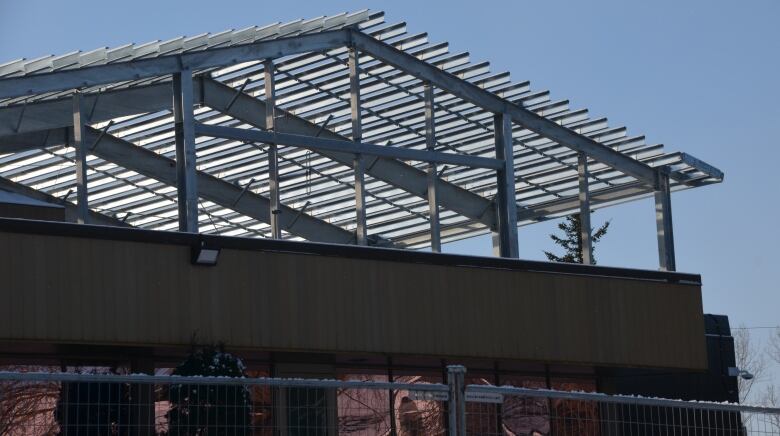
78, 290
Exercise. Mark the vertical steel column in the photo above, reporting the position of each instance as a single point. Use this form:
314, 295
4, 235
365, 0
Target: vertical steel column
456, 379
430, 143
663, 223
506, 203
586, 241
273, 157
79, 136
184, 128
361, 232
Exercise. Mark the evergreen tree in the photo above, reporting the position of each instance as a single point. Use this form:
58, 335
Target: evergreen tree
572, 240
198, 409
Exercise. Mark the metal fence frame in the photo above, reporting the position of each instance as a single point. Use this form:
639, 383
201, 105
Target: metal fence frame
455, 395
280, 387
658, 415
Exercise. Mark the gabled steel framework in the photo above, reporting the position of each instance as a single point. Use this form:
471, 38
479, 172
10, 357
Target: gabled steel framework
340, 129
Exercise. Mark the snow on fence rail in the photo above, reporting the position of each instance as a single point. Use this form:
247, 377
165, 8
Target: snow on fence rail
223, 381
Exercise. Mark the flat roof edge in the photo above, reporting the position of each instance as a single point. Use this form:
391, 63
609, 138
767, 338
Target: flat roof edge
52, 228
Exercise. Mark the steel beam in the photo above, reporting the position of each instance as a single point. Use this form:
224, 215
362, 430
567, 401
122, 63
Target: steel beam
110, 104
40, 139
568, 205
663, 223
273, 158
399, 174
702, 166
51, 114
354, 95
586, 242
433, 175
491, 102
214, 189
152, 165
79, 143
361, 228
323, 145
159, 97
184, 127
533, 214
247, 109
164, 65
358, 166
506, 204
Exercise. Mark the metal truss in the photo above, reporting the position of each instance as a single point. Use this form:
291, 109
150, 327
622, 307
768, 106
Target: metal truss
338, 129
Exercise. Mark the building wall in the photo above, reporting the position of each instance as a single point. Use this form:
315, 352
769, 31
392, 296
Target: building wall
79, 290
713, 385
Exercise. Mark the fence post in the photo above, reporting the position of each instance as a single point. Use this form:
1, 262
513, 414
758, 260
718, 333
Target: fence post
457, 407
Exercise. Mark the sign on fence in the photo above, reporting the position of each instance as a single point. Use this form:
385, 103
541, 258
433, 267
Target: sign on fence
484, 397
429, 395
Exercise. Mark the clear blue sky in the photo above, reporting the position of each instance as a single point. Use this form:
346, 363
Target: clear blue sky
699, 76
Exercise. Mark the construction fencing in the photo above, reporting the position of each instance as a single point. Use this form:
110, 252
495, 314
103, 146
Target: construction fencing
91, 404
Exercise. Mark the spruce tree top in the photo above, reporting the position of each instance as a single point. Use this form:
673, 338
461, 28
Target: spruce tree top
211, 361
572, 240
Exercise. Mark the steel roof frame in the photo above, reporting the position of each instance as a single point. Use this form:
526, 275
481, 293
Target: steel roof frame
314, 92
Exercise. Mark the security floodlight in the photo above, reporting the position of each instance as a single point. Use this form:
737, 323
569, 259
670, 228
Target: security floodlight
203, 254
736, 372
